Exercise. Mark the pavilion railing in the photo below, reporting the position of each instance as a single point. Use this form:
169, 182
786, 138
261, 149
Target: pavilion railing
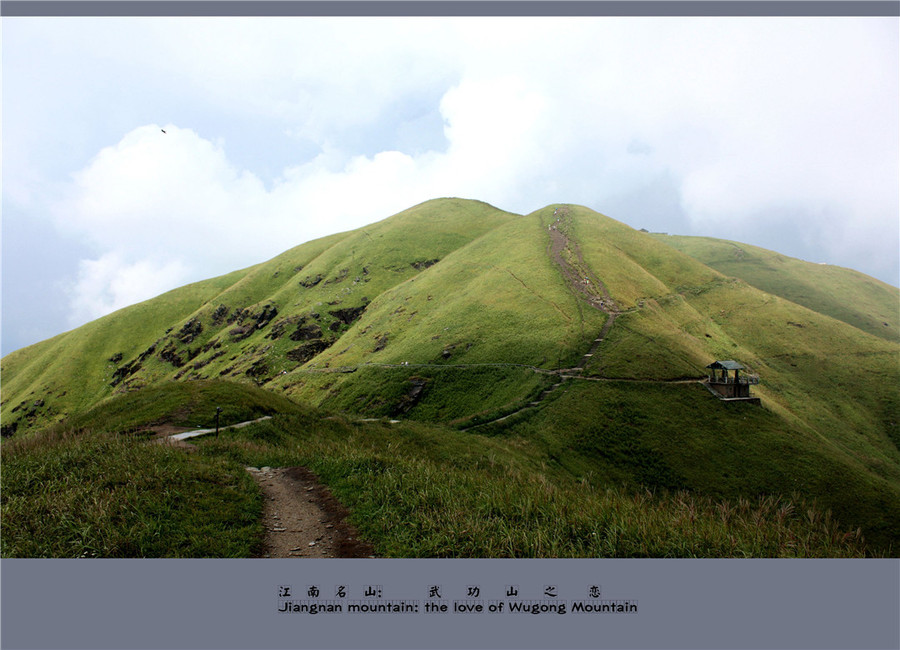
751, 380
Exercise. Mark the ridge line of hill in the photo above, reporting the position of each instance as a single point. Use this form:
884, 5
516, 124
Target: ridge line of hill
580, 280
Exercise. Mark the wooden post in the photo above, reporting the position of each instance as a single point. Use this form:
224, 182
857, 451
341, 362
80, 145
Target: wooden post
218, 410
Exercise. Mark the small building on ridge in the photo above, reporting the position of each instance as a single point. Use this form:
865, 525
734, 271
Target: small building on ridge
725, 385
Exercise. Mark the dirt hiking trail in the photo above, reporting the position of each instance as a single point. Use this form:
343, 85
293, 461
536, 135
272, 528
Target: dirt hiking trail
581, 280
301, 517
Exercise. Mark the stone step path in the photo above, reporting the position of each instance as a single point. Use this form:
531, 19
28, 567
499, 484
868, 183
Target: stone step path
203, 432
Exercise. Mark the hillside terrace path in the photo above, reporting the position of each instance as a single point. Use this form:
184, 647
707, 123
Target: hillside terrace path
301, 517
581, 280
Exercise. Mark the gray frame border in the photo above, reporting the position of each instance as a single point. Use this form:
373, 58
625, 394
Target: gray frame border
234, 604
95, 582
448, 8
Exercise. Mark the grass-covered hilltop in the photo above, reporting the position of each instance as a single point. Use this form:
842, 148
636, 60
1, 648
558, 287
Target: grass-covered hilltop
474, 383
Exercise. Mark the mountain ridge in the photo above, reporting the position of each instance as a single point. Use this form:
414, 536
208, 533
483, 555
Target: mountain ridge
457, 313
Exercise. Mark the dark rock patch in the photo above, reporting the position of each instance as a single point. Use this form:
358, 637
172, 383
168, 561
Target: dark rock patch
259, 321
303, 330
204, 362
258, 370
412, 397
116, 358
380, 343
306, 333
169, 355
279, 327
190, 331
348, 315
340, 277
238, 315
277, 330
311, 282
9, 430
307, 351
421, 265
215, 343
220, 314
34, 408
146, 353
241, 332
125, 371
265, 316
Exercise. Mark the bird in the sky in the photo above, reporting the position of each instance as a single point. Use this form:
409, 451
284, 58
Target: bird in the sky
163, 130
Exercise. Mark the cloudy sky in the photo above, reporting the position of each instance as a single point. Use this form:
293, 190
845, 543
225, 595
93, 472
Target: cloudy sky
778, 132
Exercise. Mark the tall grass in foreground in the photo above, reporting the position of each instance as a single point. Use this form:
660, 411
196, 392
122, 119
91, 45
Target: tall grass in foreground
70, 495
413, 490
410, 503
416, 509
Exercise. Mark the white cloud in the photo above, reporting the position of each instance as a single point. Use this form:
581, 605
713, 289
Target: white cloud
110, 283
746, 119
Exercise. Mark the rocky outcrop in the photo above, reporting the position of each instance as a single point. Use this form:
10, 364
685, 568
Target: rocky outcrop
257, 321
190, 331
348, 315
306, 332
412, 397
310, 282
305, 352
421, 265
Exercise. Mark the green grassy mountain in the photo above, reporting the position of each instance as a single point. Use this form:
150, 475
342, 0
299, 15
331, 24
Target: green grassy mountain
563, 341
845, 294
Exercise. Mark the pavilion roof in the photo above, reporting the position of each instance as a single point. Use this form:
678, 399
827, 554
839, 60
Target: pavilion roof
725, 365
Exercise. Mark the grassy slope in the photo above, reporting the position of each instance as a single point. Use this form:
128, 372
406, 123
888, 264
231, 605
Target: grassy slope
71, 372
830, 386
677, 436
92, 486
507, 304
77, 362
853, 297
414, 490
495, 297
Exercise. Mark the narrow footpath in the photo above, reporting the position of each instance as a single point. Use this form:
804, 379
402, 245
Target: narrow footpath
301, 517
581, 280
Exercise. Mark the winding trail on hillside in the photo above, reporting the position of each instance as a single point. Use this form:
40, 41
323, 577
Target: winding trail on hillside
301, 518
582, 281
563, 250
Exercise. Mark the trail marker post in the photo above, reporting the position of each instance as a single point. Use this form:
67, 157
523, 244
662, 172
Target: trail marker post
218, 410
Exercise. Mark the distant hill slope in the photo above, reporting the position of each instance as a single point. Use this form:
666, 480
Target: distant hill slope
240, 324
853, 297
562, 330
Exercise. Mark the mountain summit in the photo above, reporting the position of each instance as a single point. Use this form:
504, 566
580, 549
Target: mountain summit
562, 329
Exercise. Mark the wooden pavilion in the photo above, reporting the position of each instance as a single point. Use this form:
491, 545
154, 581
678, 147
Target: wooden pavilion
730, 386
